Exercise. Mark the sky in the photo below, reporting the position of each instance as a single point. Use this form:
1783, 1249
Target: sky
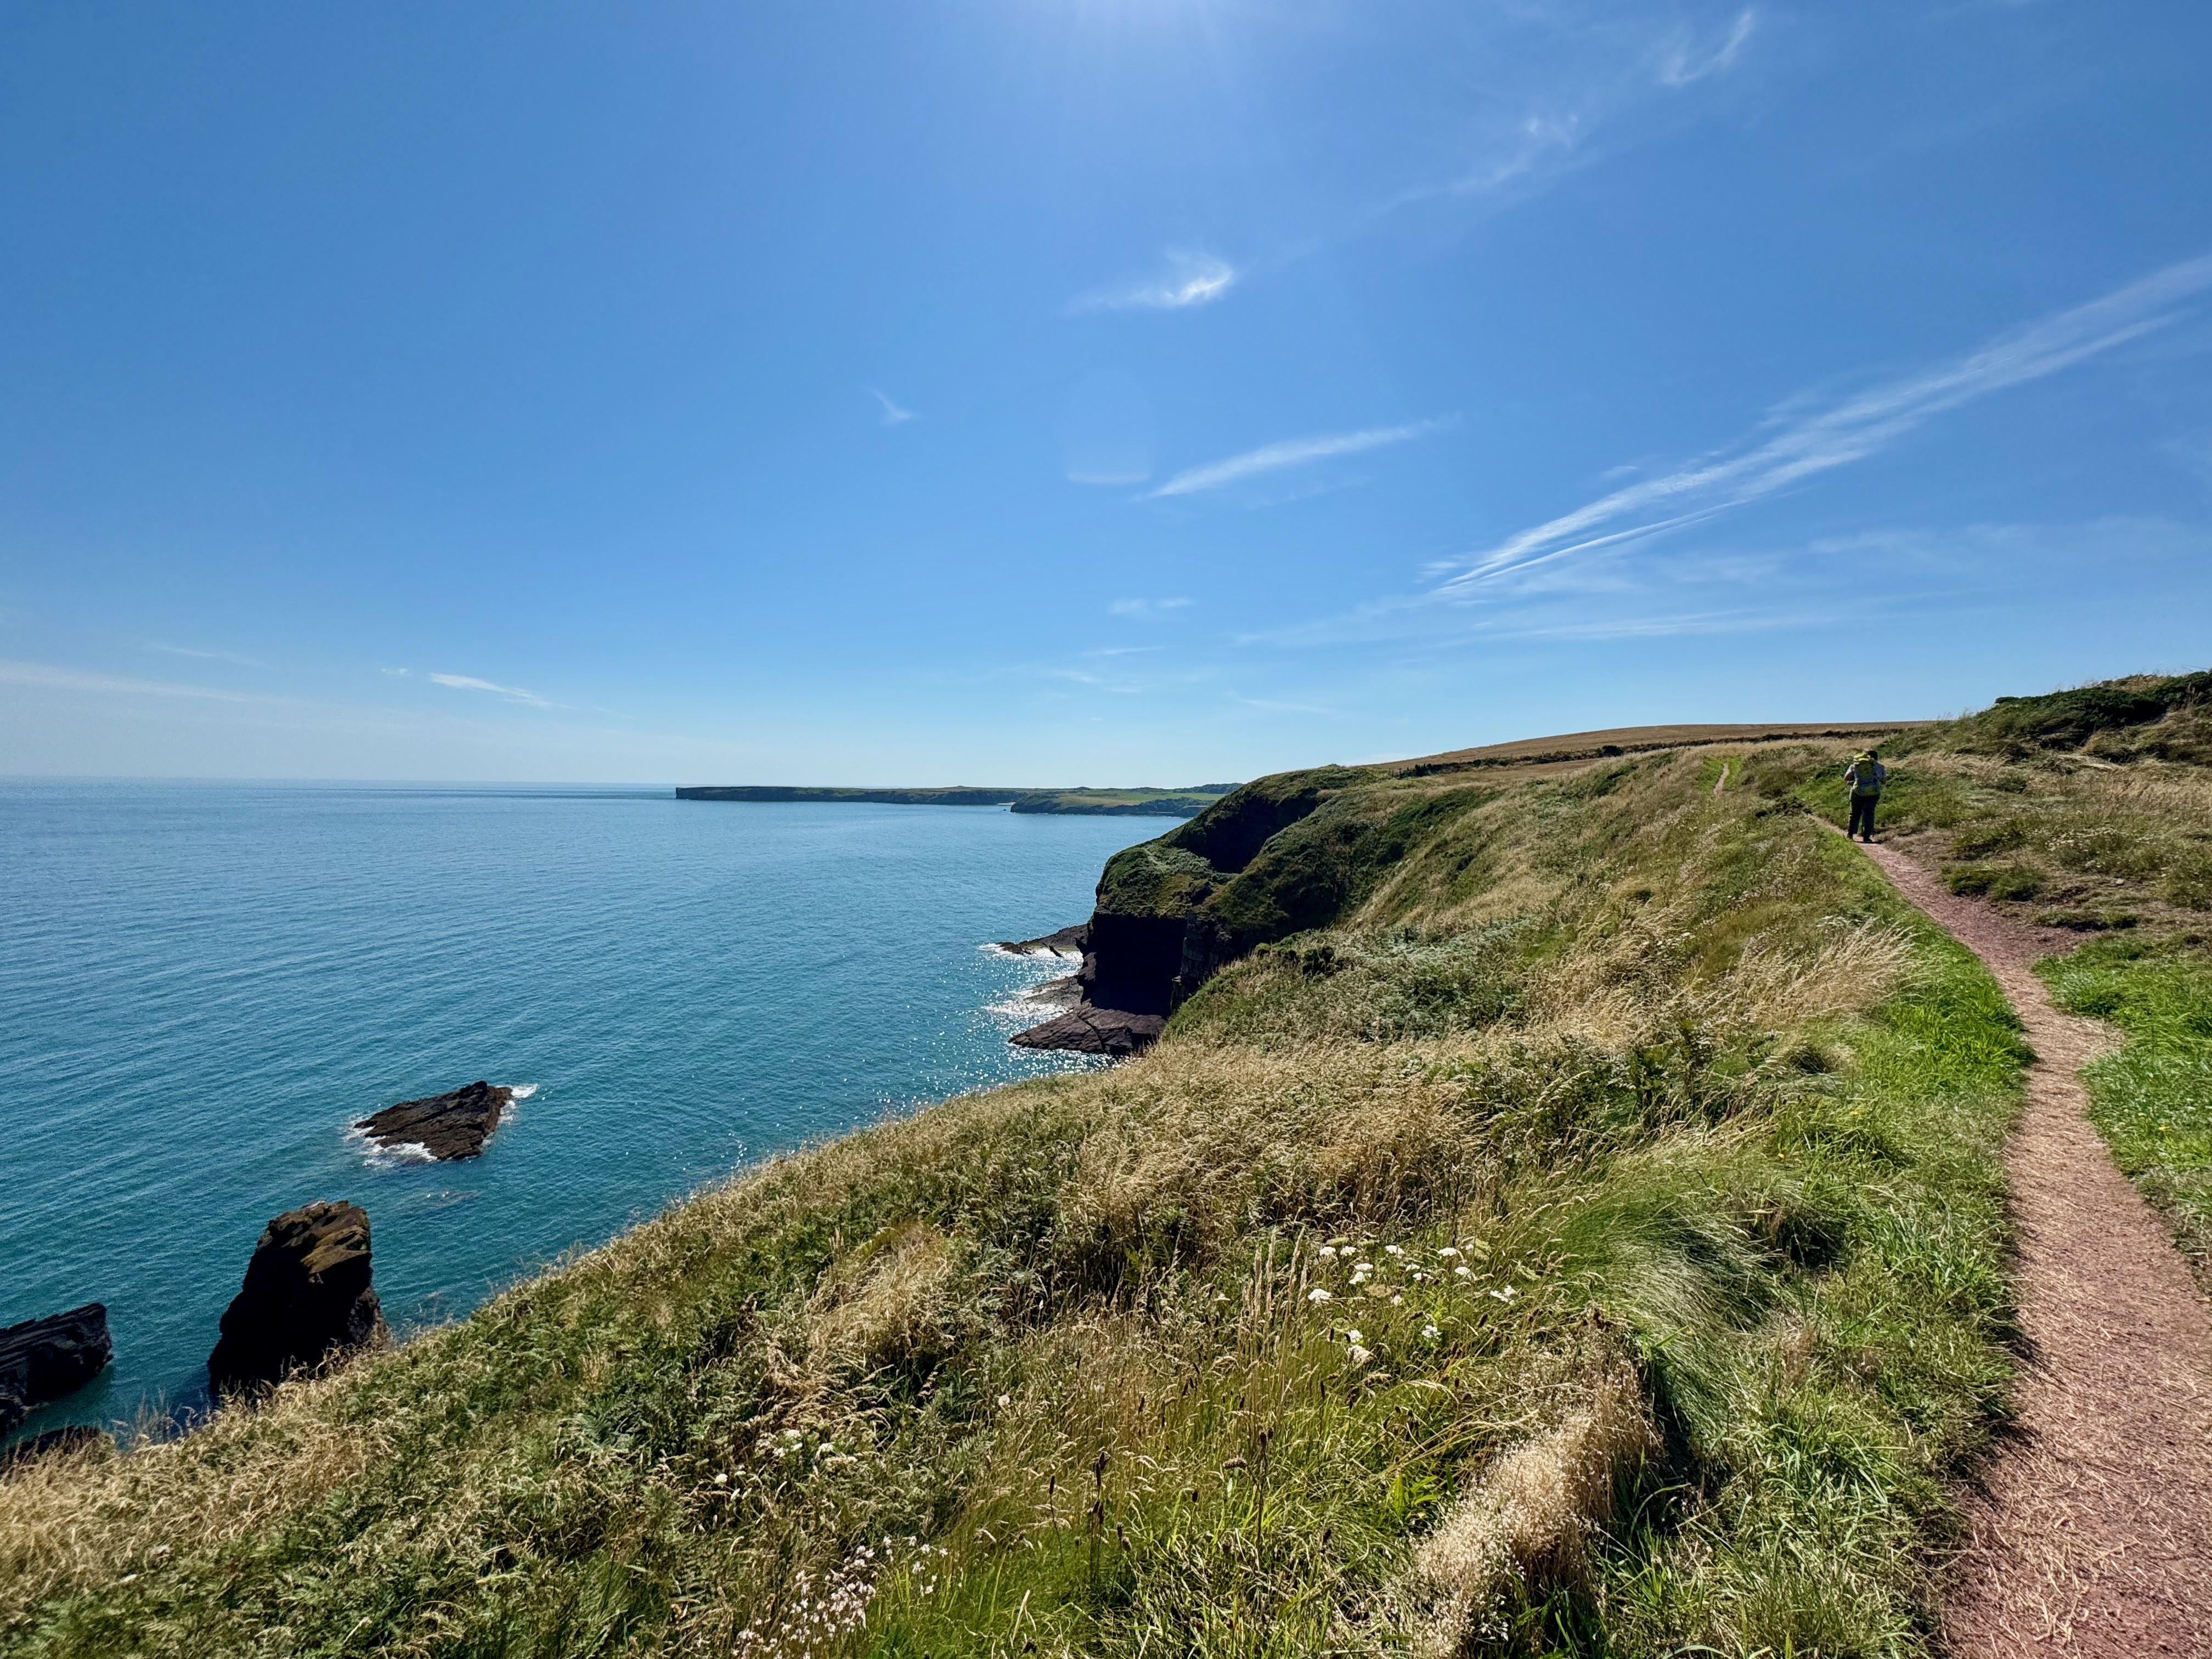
1081, 391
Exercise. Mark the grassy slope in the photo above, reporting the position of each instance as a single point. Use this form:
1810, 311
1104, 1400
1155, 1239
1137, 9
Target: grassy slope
2153, 1099
2090, 810
1709, 1118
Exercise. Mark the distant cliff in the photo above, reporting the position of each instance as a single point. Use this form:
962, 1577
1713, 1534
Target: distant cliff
1184, 803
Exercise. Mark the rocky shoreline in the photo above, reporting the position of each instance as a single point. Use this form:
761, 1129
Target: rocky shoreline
43, 1359
307, 1297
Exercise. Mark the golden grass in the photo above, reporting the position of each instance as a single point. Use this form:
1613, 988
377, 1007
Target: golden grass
1532, 1517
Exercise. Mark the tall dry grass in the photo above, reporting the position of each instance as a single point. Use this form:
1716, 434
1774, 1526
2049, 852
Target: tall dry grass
1228, 1350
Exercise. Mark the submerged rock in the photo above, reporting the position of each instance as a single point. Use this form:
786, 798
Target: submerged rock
307, 1297
43, 1359
448, 1126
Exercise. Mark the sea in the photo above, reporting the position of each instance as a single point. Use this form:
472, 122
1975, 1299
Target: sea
203, 985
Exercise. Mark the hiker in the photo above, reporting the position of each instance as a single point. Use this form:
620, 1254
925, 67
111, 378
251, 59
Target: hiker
1866, 778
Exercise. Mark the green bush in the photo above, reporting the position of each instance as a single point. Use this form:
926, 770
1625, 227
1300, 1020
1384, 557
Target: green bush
1995, 835
2002, 881
2188, 882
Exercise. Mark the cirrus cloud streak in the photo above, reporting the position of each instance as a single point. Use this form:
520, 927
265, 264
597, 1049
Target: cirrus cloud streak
1289, 452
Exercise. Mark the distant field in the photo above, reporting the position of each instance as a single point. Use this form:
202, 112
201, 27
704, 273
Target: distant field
1634, 739
1182, 803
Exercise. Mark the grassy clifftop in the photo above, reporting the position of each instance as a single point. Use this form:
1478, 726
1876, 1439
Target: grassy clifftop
1579, 1228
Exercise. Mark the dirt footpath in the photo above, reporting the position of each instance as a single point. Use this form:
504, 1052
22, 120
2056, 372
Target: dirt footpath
2092, 1533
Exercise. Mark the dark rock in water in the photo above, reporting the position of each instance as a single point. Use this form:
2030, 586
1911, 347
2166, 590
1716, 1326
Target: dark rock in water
1062, 993
307, 1297
43, 1359
1067, 942
56, 1442
1089, 1029
448, 1126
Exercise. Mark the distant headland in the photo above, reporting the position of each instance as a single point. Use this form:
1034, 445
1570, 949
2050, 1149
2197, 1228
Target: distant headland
1185, 803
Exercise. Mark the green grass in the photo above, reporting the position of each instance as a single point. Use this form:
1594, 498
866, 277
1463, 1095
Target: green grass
1709, 1117
2152, 1100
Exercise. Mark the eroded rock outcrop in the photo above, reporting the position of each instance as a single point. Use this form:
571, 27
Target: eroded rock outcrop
1173, 911
1086, 1029
306, 1299
449, 1126
1068, 941
43, 1359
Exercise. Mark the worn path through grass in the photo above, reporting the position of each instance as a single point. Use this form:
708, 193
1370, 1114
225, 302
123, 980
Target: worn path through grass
2092, 1533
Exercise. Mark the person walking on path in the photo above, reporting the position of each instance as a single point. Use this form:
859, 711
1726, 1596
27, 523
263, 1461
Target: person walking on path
1866, 778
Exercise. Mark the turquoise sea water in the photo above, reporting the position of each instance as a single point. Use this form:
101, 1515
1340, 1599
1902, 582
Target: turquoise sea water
201, 986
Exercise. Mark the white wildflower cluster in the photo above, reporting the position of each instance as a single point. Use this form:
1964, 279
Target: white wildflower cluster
794, 1449
1390, 1273
818, 1613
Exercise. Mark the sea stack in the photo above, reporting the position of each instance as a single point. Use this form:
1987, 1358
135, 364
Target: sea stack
43, 1359
307, 1297
449, 1126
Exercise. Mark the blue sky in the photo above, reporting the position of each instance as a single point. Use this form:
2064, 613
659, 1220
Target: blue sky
1081, 390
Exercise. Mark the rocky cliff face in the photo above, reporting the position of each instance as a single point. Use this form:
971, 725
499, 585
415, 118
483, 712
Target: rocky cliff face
43, 1359
307, 1297
1267, 861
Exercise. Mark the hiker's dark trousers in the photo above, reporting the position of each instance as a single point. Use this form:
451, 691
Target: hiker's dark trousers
1863, 814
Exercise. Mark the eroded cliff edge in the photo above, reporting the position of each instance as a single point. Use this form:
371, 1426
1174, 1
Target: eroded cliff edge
1273, 857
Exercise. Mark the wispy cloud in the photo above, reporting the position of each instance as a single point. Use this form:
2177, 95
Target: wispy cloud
50, 678
1682, 62
1291, 452
1188, 277
1270, 706
1801, 442
892, 415
1920, 571
1147, 610
470, 683
208, 656
1572, 108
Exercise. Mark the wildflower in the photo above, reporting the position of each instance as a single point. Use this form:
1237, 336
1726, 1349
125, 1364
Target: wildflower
721, 1478
1317, 1294
1005, 1400
1394, 1249
1359, 1355
1431, 1332
1327, 1252
1448, 1252
1505, 1295
1397, 1301
1462, 1273
1355, 1338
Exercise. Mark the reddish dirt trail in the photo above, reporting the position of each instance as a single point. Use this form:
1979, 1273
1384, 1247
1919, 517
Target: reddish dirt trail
2092, 1533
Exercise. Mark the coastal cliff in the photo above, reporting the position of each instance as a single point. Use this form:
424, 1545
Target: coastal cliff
1183, 803
1588, 1235
1297, 850
1275, 857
